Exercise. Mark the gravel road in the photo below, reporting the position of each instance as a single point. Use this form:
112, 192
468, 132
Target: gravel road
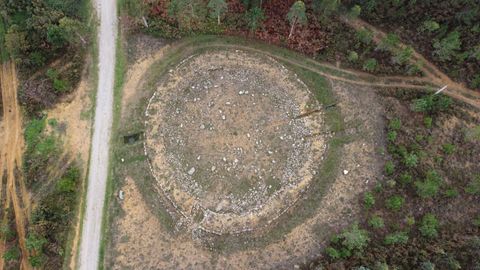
99, 157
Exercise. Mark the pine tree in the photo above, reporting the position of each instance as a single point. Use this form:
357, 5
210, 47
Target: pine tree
296, 15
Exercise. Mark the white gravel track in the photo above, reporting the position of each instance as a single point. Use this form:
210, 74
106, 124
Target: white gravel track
99, 157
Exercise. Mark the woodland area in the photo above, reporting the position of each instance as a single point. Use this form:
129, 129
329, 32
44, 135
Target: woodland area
448, 35
47, 40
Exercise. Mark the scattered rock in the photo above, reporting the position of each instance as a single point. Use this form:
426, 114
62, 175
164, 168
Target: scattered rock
191, 171
345, 172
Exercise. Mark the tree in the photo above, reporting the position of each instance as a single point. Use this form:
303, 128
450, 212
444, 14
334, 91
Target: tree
254, 18
16, 41
326, 7
188, 13
73, 30
446, 47
355, 11
296, 15
218, 8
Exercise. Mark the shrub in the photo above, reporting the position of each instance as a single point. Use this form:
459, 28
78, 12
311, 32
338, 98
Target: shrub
368, 200
12, 254
392, 135
355, 11
352, 56
427, 266
448, 148
430, 186
395, 124
411, 160
428, 121
395, 202
405, 178
376, 222
370, 65
475, 83
389, 167
410, 220
35, 243
474, 186
451, 192
445, 48
254, 17
429, 26
389, 42
380, 266
365, 36
355, 238
332, 253
396, 238
402, 56
428, 226
432, 103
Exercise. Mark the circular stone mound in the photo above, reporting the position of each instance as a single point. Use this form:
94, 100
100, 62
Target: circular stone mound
233, 140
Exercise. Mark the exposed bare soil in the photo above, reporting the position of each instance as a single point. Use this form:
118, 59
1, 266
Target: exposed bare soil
11, 152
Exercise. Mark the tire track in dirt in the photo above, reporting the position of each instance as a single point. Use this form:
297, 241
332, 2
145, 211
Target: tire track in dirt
468, 96
11, 160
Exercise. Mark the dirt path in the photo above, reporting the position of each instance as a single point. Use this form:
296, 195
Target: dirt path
98, 170
11, 159
431, 71
468, 96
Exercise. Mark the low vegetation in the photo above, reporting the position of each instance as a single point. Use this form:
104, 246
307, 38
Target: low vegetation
416, 217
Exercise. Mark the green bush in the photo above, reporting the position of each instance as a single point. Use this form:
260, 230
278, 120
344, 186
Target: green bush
355, 11
35, 243
430, 186
392, 135
429, 26
332, 253
475, 83
429, 226
451, 192
12, 254
396, 238
365, 36
405, 178
448, 148
376, 222
352, 56
368, 200
389, 42
370, 65
428, 122
395, 202
445, 48
411, 160
395, 124
410, 220
427, 266
432, 103
403, 56
355, 238
389, 167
